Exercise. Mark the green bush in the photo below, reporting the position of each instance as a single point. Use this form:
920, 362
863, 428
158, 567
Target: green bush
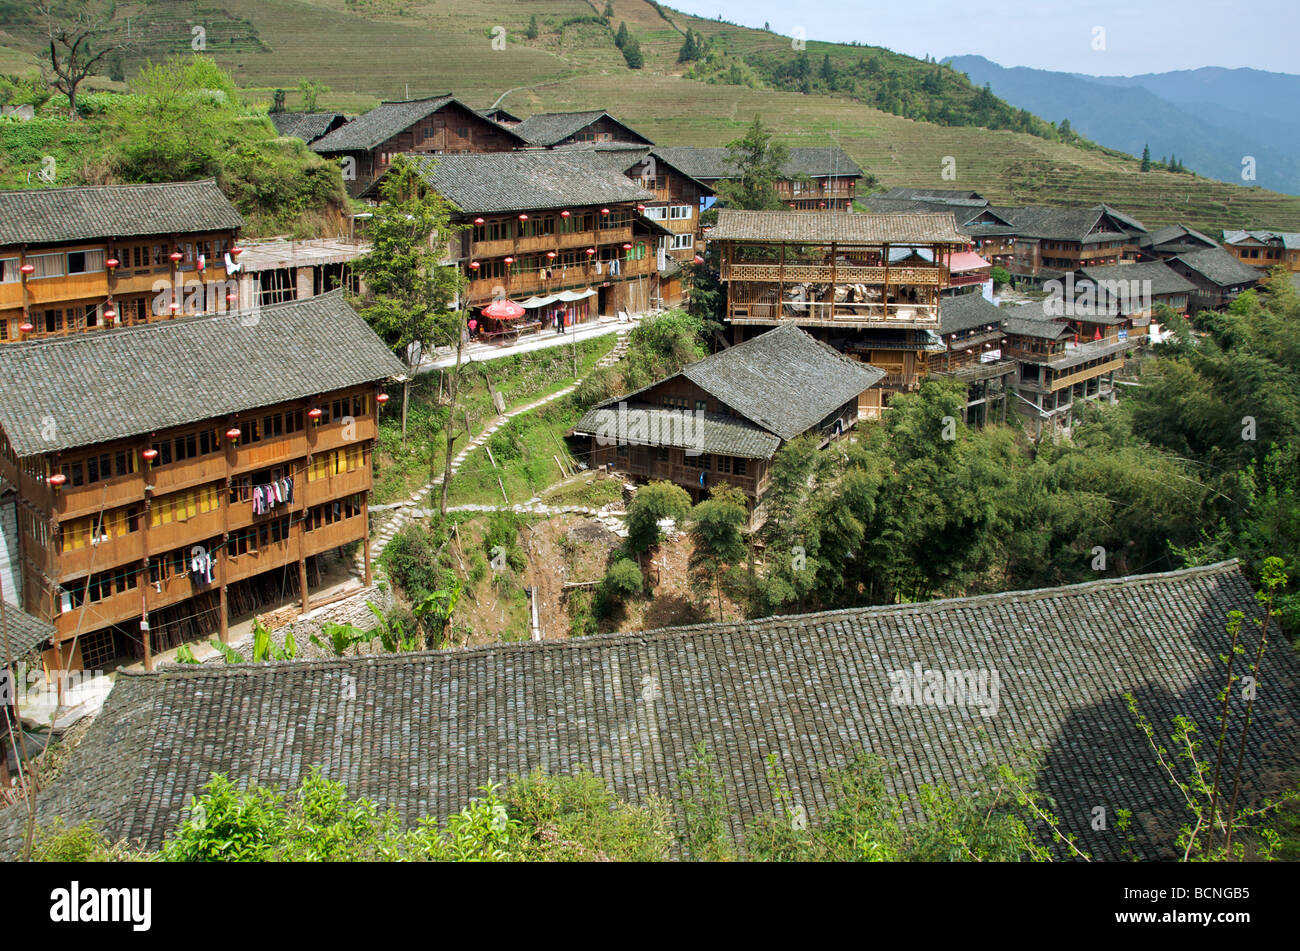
624, 580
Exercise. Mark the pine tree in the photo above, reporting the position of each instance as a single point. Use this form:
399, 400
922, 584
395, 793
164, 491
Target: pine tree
620, 37
632, 53
531, 32
828, 71
1146, 158
609, 9
690, 50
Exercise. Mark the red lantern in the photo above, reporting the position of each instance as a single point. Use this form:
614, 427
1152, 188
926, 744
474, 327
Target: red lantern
604, 211
823, 204
550, 254
478, 221
176, 255
382, 398
510, 260
523, 217
473, 265
591, 251
232, 433
698, 259
26, 328
564, 214
640, 207
58, 479
110, 313
236, 251
111, 263
315, 413
231, 297
173, 307
28, 269
473, 324
150, 455
627, 247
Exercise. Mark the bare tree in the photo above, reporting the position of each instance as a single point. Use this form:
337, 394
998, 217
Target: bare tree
81, 36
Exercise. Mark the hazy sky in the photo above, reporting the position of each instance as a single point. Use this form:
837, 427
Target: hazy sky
1141, 36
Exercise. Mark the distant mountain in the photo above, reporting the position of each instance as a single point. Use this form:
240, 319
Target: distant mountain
1210, 119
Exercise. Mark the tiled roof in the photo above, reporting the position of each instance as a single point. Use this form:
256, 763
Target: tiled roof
646, 424
86, 212
386, 120
1288, 240
550, 128
101, 385
1029, 320
421, 733
1071, 224
785, 380
820, 227
1218, 266
520, 181
631, 158
26, 634
943, 194
1180, 235
712, 164
1163, 279
308, 126
964, 311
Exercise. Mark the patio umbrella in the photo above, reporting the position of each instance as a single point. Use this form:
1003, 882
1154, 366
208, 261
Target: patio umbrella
503, 310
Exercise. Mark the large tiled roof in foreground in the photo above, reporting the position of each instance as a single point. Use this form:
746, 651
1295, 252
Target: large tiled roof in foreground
821, 227
423, 732
88, 212
111, 384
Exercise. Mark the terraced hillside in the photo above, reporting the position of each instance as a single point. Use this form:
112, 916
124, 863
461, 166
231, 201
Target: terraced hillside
365, 50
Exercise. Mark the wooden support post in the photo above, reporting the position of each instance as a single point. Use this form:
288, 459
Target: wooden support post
302, 561
365, 541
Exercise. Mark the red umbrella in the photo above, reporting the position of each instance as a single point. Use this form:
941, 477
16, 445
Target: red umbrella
503, 310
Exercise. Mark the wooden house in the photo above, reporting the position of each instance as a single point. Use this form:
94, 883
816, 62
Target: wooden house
1133, 290
992, 236
813, 179
551, 130
171, 475
1171, 241
1265, 250
723, 418
1217, 275
440, 124
1064, 359
867, 284
1052, 242
90, 257
558, 231
975, 352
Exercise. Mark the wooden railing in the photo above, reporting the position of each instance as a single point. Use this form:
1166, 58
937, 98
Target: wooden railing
842, 274
481, 250
801, 312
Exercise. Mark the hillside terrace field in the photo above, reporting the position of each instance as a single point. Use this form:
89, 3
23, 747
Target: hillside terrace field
367, 50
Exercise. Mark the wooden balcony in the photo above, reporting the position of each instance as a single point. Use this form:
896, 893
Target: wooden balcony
336, 434
270, 452
75, 501
112, 610
101, 556
186, 474
810, 314
908, 275
332, 536
336, 486
534, 283
253, 562
197, 528
482, 250
42, 291
241, 513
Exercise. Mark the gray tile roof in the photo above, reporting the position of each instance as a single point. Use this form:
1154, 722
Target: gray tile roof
1289, 240
372, 129
308, 126
1072, 224
550, 128
26, 633
646, 424
112, 384
520, 181
1163, 279
1179, 235
422, 732
821, 227
965, 311
1219, 266
785, 380
86, 212
712, 164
